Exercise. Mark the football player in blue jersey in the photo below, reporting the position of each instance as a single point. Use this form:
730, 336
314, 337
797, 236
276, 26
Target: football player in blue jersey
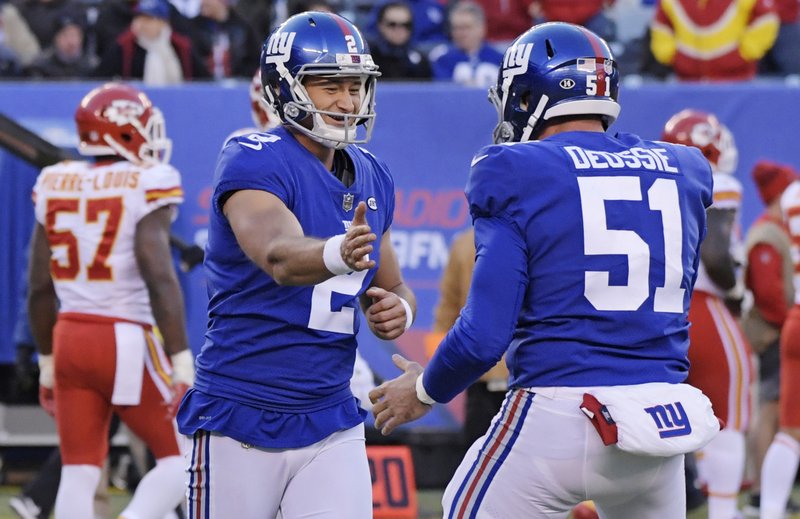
586, 254
298, 239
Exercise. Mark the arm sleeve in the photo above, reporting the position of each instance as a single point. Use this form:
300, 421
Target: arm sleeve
483, 332
162, 186
241, 168
765, 280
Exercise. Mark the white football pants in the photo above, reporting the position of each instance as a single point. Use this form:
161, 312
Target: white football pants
327, 480
542, 456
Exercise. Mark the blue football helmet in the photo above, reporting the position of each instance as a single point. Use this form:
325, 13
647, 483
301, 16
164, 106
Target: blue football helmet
318, 44
553, 70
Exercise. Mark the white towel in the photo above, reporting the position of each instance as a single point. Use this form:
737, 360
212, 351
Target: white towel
659, 419
131, 350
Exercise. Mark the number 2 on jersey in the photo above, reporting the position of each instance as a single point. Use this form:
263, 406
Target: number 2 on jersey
598, 239
325, 319
97, 270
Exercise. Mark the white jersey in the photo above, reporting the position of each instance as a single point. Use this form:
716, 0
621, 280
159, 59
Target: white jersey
727, 195
790, 207
90, 215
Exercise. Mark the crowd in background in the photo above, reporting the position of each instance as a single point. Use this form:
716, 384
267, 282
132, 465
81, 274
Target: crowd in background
167, 42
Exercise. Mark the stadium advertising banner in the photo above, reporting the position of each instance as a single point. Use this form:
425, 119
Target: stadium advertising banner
426, 133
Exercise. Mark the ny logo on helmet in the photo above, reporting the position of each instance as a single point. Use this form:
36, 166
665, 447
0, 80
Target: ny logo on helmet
279, 48
123, 111
515, 61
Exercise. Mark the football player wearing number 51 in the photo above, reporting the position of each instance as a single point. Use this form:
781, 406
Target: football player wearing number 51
298, 239
587, 248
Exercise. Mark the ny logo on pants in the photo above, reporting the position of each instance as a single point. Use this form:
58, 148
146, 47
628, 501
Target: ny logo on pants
670, 419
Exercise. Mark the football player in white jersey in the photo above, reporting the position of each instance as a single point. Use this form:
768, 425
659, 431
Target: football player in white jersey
719, 352
101, 280
783, 456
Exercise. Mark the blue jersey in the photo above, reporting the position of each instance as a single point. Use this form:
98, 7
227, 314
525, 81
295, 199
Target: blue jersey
277, 361
587, 249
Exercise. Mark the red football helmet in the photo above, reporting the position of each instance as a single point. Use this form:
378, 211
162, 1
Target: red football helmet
117, 119
264, 116
704, 131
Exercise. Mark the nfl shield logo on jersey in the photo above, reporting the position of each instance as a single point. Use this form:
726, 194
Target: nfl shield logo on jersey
347, 201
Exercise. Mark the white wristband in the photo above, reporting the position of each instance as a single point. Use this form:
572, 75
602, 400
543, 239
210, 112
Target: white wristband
46, 371
183, 367
332, 256
409, 313
423, 395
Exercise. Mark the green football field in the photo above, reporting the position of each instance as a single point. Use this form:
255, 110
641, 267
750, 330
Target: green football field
429, 503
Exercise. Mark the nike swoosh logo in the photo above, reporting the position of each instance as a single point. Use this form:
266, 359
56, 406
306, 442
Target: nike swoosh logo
256, 147
477, 159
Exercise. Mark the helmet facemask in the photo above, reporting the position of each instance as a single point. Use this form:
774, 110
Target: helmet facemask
303, 115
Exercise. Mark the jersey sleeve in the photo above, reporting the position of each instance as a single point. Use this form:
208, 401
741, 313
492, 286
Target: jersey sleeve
162, 186
491, 190
727, 192
37, 197
486, 326
389, 190
245, 166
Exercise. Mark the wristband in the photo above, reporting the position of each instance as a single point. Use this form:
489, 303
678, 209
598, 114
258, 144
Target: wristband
332, 256
409, 313
183, 367
423, 395
46, 371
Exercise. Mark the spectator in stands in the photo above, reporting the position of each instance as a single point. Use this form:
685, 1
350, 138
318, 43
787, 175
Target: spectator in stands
718, 40
469, 60
429, 22
9, 64
114, 18
391, 47
784, 57
42, 17
224, 40
151, 51
17, 41
259, 14
65, 58
769, 278
589, 13
506, 19
299, 6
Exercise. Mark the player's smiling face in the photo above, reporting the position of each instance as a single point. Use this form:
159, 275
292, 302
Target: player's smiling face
335, 94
